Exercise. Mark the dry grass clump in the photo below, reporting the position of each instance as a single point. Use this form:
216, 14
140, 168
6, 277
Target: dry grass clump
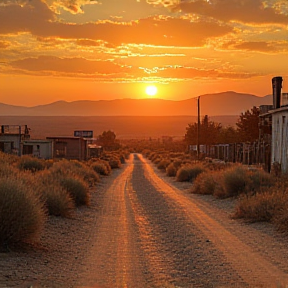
232, 181
100, 168
163, 164
189, 172
171, 170
22, 213
205, 183
57, 199
238, 179
261, 206
30, 163
75, 168
7, 170
77, 189
114, 162
235, 181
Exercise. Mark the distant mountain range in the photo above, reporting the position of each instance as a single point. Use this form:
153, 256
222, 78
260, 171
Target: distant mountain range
225, 103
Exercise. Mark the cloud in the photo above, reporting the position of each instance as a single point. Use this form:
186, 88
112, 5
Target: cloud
165, 3
16, 18
258, 46
73, 6
39, 20
83, 68
245, 11
185, 73
4, 44
67, 65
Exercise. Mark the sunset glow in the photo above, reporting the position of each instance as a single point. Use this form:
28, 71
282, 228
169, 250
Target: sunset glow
91, 50
151, 90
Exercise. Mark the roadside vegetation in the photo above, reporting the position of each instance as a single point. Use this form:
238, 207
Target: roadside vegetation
32, 190
261, 196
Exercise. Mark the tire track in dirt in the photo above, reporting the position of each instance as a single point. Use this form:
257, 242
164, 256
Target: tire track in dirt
254, 269
186, 258
116, 259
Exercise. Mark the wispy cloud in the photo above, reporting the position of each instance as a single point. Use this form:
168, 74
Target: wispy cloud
245, 11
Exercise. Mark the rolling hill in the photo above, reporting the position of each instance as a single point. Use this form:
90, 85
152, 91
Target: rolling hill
225, 103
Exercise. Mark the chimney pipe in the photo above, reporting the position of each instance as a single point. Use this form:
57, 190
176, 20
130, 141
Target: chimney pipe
277, 86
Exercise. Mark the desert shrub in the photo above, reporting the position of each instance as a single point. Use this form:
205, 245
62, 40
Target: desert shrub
57, 200
108, 167
146, 152
77, 189
122, 158
22, 213
8, 158
114, 162
171, 170
75, 168
280, 218
216, 165
189, 172
183, 174
30, 163
100, 168
88, 175
176, 154
157, 160
205, 183
259, 179
6, 170
162, 165
177, 163
235, 181
261, 206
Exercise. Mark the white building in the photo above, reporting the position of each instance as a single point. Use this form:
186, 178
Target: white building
38, 148
279, 143
279, 121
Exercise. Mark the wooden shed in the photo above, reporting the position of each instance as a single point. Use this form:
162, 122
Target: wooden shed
69, 147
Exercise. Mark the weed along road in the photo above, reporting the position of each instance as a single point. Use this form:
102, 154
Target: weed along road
151, 234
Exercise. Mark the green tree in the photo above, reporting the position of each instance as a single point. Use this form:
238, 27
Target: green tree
248, 125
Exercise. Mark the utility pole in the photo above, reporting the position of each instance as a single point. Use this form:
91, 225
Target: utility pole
198, 128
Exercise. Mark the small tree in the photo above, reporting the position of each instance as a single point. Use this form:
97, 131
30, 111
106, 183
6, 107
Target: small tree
228, 135
209, 132
248, 125
108, 140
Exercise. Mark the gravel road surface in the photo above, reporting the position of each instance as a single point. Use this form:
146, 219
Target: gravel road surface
142, 231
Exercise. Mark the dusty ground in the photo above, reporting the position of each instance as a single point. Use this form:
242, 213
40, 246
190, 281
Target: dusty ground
143, 232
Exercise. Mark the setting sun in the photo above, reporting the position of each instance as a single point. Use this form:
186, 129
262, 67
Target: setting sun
151, 90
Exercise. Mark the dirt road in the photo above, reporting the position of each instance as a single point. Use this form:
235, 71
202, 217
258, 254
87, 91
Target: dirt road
141, 231
154, 235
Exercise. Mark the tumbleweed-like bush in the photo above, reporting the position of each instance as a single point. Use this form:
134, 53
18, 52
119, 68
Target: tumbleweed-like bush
163, 164
261, 206
171, 170
77, 189
56, 198
30, 163
235, 181
100, 168
205, 183
114, 162
189, 172
22, 212
77, 169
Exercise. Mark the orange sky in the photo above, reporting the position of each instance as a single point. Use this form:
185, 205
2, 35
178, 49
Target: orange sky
83, 49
